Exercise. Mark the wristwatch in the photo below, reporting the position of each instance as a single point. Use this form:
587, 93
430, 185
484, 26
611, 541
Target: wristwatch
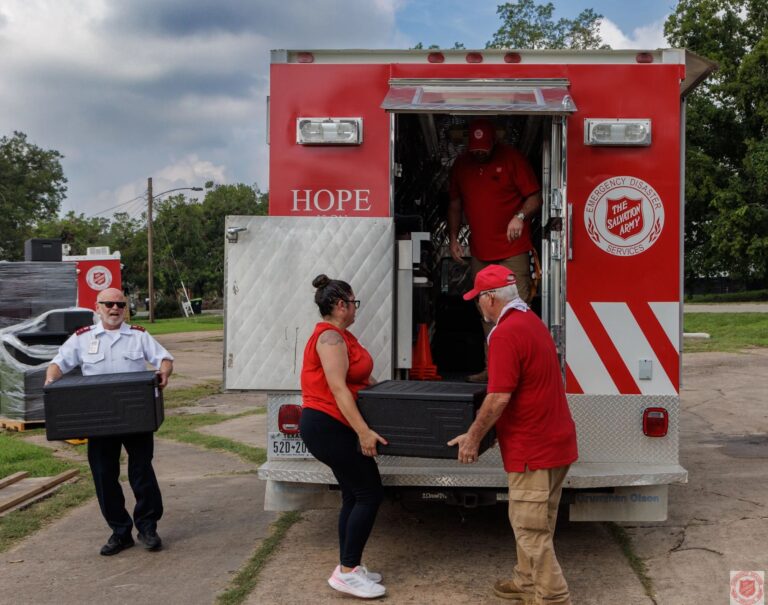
521, 216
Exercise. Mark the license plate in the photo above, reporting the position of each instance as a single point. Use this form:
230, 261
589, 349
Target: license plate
287, 446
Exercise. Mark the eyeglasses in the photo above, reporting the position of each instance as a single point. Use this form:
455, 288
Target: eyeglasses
109, 304
485, 292
353, 302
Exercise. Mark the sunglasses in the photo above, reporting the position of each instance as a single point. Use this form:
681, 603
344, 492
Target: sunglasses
109, 304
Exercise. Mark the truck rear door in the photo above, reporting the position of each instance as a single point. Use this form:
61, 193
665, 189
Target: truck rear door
270, 262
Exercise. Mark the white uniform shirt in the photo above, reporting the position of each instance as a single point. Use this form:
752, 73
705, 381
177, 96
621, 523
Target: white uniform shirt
97, 353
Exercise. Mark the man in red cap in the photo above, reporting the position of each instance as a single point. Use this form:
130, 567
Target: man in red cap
498, 192
537, 437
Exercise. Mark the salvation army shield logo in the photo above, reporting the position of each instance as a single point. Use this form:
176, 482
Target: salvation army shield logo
624, 216
98, 277
747, 588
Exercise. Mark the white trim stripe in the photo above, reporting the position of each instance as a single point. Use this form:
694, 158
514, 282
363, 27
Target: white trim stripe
583, 360
668, 315
633, 346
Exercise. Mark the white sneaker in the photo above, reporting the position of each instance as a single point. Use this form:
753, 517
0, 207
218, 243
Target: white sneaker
356, 583
372, 575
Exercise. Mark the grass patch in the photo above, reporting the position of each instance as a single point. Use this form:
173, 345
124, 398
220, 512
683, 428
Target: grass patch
18, 455
728, 331
196, 323
183, 428
176, 398
622, 538
245, 581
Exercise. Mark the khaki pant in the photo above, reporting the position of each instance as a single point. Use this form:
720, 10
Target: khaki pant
533, 500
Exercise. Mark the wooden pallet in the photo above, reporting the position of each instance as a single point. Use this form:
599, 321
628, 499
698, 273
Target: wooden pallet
19, 490
21, 425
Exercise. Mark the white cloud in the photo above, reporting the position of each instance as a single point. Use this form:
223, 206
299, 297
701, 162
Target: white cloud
173, 89
190, 169
176, 89
647, 37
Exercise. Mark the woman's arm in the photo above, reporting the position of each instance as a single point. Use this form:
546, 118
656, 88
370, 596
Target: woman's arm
334, 358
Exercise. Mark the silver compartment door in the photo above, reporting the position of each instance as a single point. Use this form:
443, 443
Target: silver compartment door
269, 299
554, 246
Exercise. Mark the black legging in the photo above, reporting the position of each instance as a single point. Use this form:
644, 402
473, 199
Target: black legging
335, 444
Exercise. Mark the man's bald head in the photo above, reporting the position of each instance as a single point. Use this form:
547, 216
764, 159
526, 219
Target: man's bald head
112, 294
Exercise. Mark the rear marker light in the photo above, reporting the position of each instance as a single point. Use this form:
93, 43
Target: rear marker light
329, 131
474, 58
623, 132
436, 57
512, 58
305, 58
644, 58
655, 422
288, 417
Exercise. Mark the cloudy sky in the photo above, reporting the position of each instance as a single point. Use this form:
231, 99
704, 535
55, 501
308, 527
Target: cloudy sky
176, 89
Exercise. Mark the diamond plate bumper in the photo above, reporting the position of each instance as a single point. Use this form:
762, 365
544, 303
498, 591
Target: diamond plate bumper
420, 472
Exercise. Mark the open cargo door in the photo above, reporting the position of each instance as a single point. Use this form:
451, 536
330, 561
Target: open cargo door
270, 262
555, 220
547, 103
479, 96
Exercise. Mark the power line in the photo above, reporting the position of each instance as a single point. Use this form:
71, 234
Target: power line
138, 197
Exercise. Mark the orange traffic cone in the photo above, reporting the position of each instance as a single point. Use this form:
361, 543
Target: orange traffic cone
423, 367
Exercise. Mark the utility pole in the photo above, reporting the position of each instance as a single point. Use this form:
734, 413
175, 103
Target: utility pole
150, 272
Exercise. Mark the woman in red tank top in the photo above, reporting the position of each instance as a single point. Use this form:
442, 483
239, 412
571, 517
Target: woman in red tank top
336, 366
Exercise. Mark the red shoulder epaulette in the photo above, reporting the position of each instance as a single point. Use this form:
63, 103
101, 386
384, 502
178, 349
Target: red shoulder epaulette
139, 328
83, 330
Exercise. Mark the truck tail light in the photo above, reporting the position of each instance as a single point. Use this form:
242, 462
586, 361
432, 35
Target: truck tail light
288, 419
474, 58
436, 58
655, 422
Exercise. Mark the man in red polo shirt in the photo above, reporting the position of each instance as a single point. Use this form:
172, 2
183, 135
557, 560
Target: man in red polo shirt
526, 401
496, 188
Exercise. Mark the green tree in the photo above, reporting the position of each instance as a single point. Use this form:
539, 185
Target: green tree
524, 24
726, 229
129, 237
32, 187
190, 237
78, 231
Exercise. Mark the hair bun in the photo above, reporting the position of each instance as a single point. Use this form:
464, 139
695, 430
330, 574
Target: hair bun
321, 281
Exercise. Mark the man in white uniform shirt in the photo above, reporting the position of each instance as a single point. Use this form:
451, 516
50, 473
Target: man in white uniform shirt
109, 347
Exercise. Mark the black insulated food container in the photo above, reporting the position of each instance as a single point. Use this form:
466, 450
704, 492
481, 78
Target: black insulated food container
418, 418
103, 405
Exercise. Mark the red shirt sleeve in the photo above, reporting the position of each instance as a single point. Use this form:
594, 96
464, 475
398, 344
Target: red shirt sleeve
504, 365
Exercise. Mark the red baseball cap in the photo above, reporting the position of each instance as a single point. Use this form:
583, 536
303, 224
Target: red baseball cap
482, 135
490, 278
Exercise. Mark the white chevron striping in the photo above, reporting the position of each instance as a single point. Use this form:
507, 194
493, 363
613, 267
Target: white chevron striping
583, 360
668, 314
633, 346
